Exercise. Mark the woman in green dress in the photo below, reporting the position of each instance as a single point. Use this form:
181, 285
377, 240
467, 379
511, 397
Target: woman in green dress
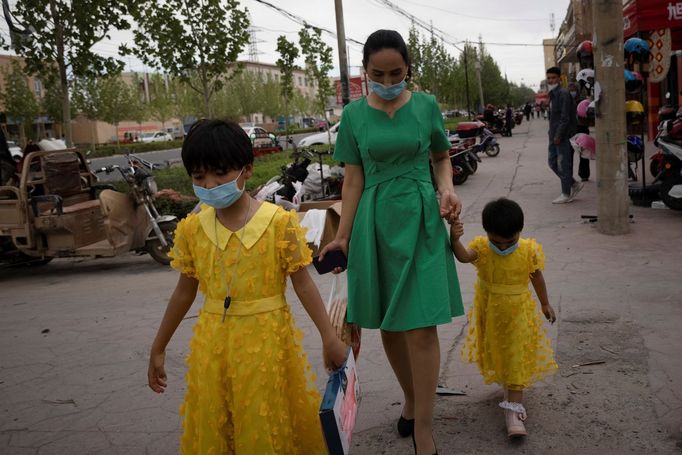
401, 272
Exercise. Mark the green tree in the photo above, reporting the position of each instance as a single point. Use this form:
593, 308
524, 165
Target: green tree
318, 62
414, 49
138, 109
245, 87
288, 53
62, 36
51, 102
162, 106
225, 104
194, 41
20, 102
87, 102
116, 101
272, 104
302, 105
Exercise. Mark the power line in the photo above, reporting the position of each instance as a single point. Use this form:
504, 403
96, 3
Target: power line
299, 20
474, 17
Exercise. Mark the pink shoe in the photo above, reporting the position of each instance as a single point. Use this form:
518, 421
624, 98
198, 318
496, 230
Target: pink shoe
515, 415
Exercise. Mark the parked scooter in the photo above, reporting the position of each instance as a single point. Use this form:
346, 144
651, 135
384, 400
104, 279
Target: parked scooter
57, 209
301, 180
464, 162
669, 139
161, 228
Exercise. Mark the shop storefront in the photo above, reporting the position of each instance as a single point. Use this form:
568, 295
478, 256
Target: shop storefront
659, 22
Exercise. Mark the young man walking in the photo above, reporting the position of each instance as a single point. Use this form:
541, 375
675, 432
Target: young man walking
562, 123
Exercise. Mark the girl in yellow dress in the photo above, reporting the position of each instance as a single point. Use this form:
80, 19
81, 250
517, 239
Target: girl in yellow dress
506, 337
250, 387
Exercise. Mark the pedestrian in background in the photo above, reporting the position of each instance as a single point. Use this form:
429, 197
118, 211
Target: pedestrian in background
250, 388
508, 121
401, 273
527, 109
506, 337
562, 122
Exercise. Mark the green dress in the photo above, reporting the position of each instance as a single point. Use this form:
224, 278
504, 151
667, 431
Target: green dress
401, 270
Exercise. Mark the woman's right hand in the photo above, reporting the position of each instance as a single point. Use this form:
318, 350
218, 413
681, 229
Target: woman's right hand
156, 375
336, 244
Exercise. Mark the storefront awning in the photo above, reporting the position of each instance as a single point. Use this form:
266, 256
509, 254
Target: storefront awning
644, 15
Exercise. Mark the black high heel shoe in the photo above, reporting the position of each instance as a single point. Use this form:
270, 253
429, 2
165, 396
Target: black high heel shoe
405, 426
414, 443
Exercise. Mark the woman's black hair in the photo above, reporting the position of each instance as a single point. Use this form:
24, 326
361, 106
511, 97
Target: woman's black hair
386, 39
216, 144
502, 217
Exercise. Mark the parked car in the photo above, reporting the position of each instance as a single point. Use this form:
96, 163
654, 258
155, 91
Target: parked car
15, 150
158, 136
320, 138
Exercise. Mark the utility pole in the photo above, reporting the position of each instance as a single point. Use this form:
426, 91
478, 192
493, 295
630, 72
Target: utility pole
343, 56
466, 78
612, 186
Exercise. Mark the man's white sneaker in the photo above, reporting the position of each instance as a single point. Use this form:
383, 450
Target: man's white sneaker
575, 189
564, 198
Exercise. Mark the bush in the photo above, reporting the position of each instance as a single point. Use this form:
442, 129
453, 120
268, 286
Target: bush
136, 147
170, 202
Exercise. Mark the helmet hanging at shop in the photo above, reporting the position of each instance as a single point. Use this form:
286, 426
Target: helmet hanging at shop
634, 113
633, 81
582, 112
635, 148
584, 145
586, 78
584, 52
637, 48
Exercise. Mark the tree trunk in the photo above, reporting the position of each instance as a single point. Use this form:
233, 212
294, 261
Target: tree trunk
66, 104
92, 135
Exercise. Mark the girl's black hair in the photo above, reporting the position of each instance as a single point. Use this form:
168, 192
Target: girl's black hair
386, 39
503, 217
216, 144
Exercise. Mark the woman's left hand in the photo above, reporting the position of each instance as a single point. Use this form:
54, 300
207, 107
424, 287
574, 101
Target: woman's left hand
450, 206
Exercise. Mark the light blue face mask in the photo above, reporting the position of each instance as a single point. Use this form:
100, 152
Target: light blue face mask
387, 93
221, 196
505, 252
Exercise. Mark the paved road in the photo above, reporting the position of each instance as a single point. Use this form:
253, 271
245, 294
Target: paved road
75, 334
162, 158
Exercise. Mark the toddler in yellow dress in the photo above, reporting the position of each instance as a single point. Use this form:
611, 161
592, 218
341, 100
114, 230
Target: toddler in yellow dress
506, 337
250, 387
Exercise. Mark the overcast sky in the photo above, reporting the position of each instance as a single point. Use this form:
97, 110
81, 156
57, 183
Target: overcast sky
500, 23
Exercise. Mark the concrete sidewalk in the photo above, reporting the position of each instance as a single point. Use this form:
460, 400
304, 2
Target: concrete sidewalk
75, 334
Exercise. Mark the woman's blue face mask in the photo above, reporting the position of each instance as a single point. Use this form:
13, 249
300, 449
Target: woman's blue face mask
388, 93
221, 196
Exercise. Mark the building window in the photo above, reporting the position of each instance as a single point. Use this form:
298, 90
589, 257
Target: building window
300, 80
38, 87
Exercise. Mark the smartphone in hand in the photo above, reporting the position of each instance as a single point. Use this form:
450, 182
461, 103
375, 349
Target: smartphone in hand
332, 260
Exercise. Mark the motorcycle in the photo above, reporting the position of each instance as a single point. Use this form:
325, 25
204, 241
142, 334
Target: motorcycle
495, 126
58, 209
669, 140
464, 162
301, 180
467, 131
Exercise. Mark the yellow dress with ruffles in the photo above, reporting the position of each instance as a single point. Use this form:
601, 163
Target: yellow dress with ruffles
250, 386
506, 336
